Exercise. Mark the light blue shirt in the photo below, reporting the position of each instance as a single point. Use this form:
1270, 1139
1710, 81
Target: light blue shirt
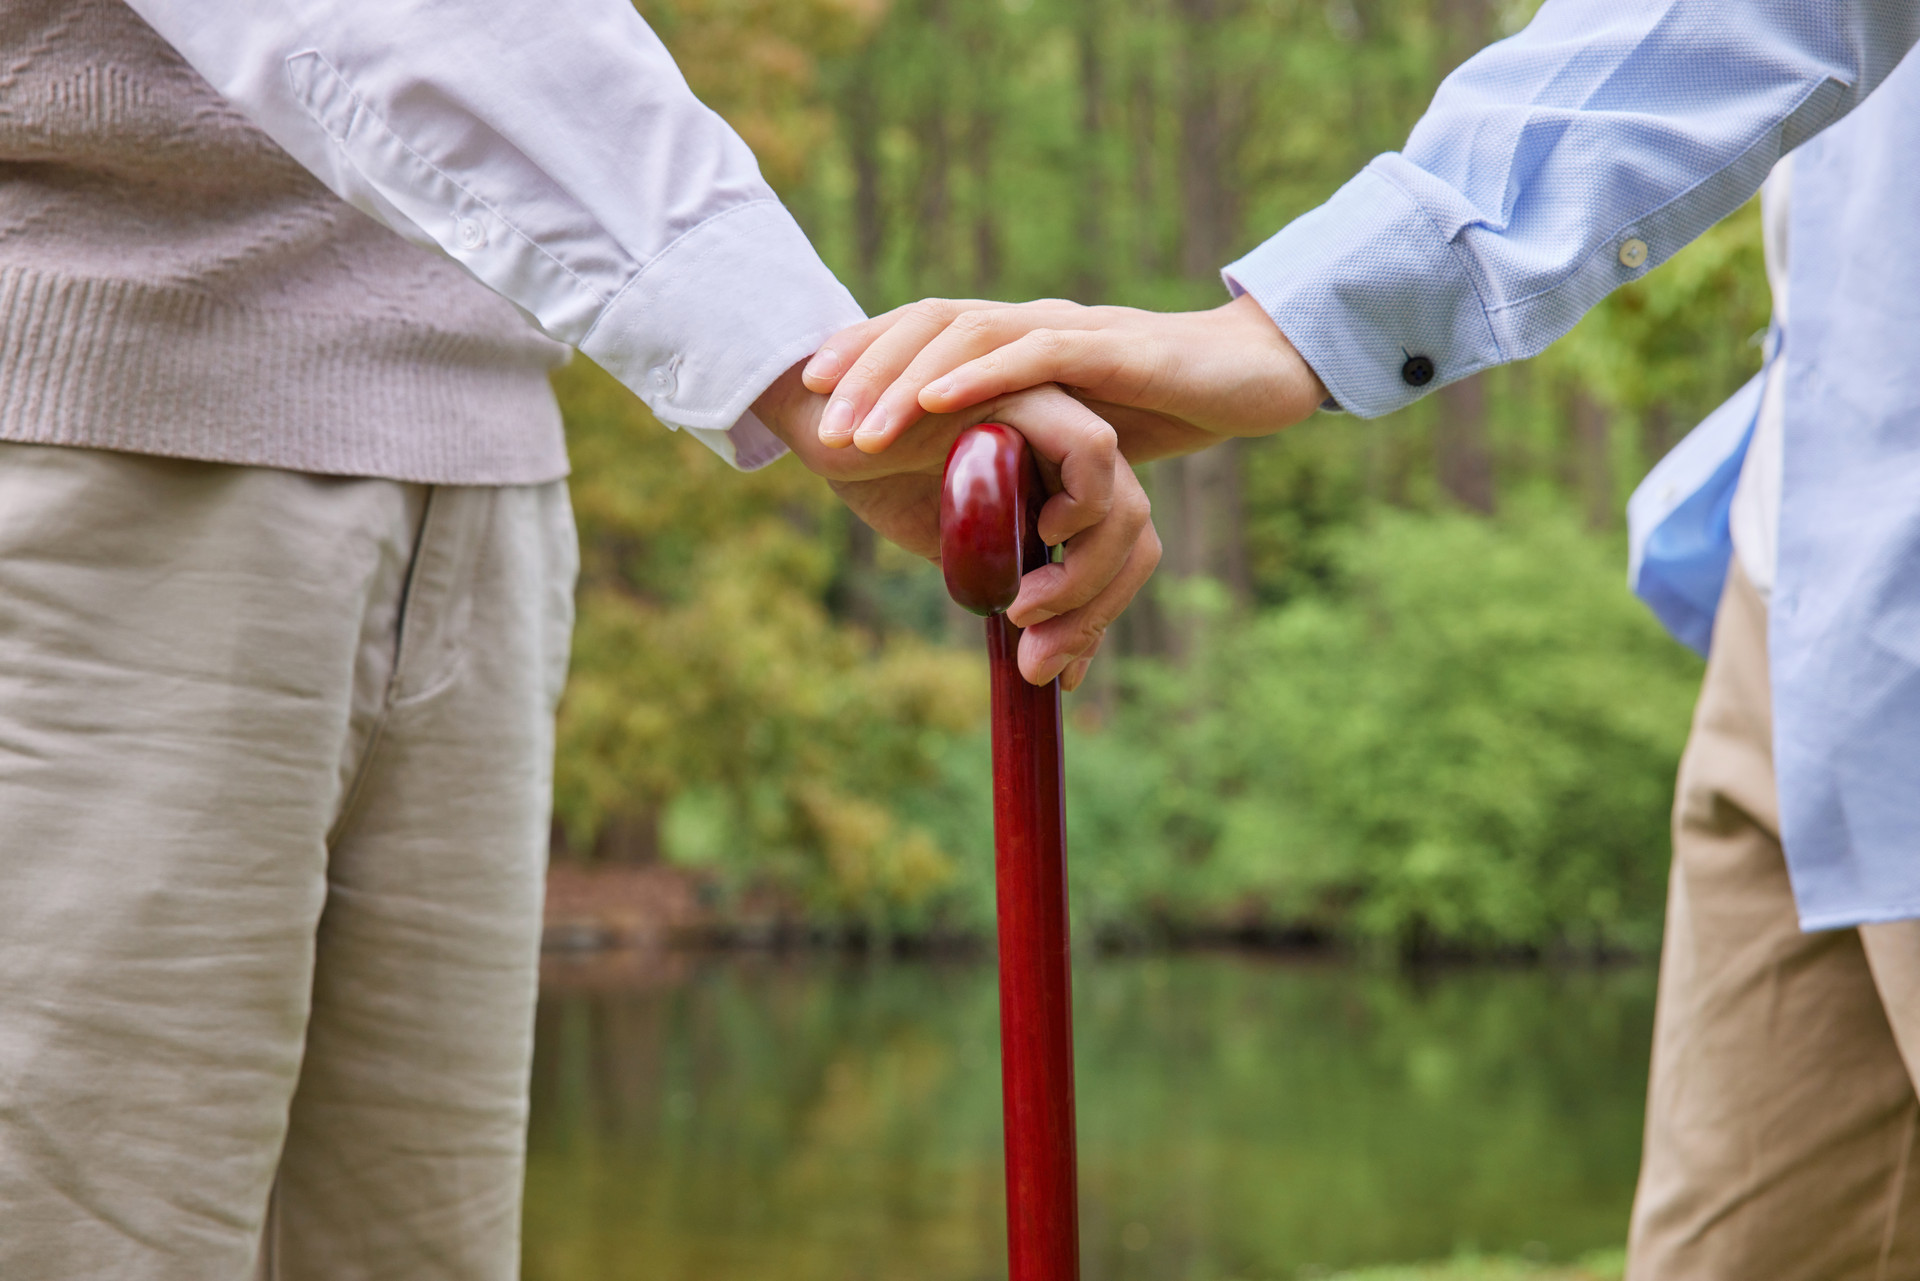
1582, 153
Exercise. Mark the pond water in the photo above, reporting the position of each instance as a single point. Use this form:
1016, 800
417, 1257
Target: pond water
747, 1118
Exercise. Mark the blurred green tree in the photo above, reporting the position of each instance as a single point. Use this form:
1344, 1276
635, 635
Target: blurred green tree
717, 712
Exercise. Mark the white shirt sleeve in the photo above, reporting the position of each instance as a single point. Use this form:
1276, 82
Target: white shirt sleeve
555, 151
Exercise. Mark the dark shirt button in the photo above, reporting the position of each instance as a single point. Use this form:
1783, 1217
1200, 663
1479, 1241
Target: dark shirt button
1417, 372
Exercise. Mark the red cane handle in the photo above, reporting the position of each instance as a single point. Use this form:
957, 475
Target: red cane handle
990, 517
989, 509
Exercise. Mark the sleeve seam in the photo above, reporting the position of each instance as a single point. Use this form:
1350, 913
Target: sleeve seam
362, 107
1464, 262
1574, 272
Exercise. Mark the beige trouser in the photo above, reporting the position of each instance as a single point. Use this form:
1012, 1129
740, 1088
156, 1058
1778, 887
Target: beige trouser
1781, 1119
275, 760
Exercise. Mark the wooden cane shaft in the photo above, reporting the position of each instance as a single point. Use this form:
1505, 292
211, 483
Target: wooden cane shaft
1036, 1009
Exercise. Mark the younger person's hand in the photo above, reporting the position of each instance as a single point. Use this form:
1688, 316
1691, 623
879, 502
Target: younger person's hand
1097, 509
1170, 382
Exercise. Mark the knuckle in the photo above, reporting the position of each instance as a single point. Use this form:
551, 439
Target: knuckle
1084, 634
1099, 505
871, 361
1047, 342
1150, 548
936, 310
1083, 588
974, 324
866, 374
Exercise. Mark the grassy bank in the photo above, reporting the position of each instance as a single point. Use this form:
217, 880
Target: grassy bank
1605, 1266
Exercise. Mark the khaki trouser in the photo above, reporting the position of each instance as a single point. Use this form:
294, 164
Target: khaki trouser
1781, 1135
275, 761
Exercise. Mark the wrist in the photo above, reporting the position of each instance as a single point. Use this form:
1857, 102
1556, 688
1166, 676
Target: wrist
792, 414
789, 410
1286, 389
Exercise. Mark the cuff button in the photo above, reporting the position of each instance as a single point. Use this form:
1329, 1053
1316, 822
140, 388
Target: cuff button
1633, 253
1417, 372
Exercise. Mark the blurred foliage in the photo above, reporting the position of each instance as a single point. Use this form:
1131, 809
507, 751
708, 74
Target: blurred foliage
760, 60
709, 676
1467, 741
1350, 709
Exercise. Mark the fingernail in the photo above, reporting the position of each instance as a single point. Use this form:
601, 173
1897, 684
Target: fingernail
836, 423
825, 364
871, 430
940, 389
1053, 667
1027, 616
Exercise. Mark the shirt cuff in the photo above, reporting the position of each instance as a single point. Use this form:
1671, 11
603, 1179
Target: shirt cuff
748, 444
1373, 297
715, 318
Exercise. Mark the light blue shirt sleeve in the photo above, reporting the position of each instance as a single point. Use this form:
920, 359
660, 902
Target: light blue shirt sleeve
1551, 168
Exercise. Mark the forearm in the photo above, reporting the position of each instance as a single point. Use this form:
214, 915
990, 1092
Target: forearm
1552, 168
556, 152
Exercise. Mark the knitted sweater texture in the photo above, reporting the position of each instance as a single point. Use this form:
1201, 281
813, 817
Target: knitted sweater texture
172, 283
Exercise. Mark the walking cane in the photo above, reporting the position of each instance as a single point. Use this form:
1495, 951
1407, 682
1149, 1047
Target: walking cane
989, 537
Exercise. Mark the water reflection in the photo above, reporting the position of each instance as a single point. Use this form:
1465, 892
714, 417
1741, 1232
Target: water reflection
741, 1118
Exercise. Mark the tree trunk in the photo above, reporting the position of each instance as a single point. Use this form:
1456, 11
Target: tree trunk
1221, 490
986, 231
933, 258
853, 597
983, 126
1656, 432
1143, 151
1198, 498
1463, 458
1207, 199
1466, 29
629, 839
1090, 267
1593, 452
1200, 513
862, 114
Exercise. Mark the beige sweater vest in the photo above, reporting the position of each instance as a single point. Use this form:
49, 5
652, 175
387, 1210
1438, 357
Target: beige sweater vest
171, 282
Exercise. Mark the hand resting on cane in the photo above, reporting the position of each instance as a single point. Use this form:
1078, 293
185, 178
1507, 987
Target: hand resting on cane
1097, 509
1169, 383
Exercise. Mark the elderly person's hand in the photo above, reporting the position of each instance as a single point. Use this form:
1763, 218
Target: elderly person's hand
1097, 509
